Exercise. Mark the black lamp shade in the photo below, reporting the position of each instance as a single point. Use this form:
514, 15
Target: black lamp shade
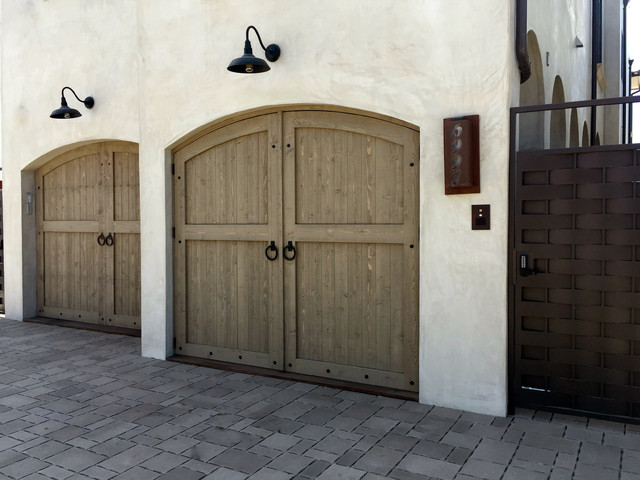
65, 111
248, 63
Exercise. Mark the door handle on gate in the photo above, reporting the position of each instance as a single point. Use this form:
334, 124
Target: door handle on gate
271, 247
101, 239
289, 248
109, 240
525, 271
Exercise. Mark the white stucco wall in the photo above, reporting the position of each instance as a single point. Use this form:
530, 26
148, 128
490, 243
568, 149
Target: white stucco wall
557, 27
89, 46
612, 51
157, 71
557, 24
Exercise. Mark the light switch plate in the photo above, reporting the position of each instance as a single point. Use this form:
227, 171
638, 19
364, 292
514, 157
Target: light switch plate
480, 217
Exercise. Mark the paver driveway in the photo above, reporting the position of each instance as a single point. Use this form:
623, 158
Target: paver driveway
79, 404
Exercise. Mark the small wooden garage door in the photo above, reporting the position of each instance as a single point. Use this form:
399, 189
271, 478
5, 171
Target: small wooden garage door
88, 229
337, 194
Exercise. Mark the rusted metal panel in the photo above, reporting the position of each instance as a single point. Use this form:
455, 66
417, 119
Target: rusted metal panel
461, 155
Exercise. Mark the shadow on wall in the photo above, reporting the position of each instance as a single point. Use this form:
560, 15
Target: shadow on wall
574, 129
532, 93
558, 126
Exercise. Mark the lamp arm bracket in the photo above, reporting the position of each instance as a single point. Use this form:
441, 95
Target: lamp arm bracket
258, 34
88, 102
74, 93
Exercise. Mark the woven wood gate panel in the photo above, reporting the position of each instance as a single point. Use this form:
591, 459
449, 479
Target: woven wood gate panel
577, 319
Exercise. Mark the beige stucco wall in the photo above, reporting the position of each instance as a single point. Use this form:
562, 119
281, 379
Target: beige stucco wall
157, 71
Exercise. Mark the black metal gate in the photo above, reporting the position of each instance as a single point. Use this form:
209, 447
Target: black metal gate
575, 297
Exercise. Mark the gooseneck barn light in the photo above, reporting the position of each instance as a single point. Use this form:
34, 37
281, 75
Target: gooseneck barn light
247, 63
67, 112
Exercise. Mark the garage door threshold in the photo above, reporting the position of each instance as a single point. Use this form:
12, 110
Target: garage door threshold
85, 326
297, 377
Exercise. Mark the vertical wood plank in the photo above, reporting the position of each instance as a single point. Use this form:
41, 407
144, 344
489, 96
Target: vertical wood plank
341, 177
328, 314
301, 335
396, 300
315, 300
268, 180
356, 307
383, 306
412, 176
341, 295
246, 274
180, 258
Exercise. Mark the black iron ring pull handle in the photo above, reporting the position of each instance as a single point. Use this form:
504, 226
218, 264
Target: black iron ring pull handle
271, 247
289, 248
109, 240
101, 239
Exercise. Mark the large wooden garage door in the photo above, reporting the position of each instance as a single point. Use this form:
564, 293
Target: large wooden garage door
337, 194
87, 206
577, 281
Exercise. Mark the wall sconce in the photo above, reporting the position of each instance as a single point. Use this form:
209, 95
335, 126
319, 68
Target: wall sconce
65, 111
247, 63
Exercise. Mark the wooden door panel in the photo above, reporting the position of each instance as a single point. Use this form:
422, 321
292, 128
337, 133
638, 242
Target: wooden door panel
71, 265
227, 184
73, 191
72, 273
124, 254
345, 177
228, 296
126, 187
229, 300
350, 203
126, 251
350, 298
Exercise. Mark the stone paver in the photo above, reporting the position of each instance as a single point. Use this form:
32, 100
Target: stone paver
76, 404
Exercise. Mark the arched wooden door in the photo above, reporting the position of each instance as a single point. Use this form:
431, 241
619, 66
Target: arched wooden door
337, 194
88, 235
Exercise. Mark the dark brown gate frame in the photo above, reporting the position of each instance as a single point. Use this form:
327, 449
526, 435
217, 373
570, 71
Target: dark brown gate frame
513, 115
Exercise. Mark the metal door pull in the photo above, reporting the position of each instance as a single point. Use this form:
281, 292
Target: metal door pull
271, 248
289, 248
